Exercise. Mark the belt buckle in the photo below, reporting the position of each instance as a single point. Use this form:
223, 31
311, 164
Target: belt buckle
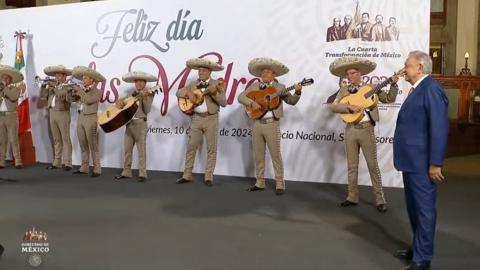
266, 120
361, 125
204, 114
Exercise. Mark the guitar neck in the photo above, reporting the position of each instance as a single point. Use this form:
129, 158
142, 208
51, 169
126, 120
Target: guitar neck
284, 91
378, 87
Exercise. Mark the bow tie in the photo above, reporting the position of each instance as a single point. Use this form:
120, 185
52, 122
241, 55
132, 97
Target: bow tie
353, 88
202, 84
264, 85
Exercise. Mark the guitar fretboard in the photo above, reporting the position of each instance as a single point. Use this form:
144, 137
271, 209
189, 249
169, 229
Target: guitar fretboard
377, 88
283, 92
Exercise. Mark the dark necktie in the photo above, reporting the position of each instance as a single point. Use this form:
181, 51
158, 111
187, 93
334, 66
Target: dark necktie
411, 91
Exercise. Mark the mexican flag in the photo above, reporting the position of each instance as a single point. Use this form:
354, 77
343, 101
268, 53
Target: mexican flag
23, 104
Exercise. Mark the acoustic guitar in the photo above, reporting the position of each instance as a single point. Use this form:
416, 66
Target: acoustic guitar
366, 97
114, 118
187, 106
269, 99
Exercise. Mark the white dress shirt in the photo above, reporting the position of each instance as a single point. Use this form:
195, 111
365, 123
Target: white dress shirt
202, 108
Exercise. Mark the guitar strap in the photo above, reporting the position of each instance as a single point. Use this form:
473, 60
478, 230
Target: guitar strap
370, 117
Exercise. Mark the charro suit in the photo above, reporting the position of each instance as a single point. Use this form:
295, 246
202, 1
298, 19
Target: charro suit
87, 128
266, 132
9, 123
59, 123
136, 134
44, 96
205, 123
362, 136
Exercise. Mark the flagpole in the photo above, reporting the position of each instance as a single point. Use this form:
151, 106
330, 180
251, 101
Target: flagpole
27, 150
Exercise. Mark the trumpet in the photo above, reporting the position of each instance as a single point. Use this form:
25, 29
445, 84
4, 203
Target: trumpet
73, 82
46, 80
73, 85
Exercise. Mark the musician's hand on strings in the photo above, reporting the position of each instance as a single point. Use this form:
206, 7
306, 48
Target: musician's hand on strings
222, 85
255, 106
298, 88
354, 108
191, 96
395, 78
119, 104
212, 91
397, 75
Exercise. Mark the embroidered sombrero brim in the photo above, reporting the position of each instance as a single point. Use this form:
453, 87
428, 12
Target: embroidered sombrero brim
340, 66
257, 65
79, 71
12, 72
196, 63
138, 75
52, 70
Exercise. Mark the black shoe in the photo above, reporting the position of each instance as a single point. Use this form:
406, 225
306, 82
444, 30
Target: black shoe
414, 266
118, 177
19, 167
94, 174
51, 167
183, 181
142, 179
404, 254
382, 208
254, 188
67, 168
208, 183
347, 203
1, 167
279, 191
79, 172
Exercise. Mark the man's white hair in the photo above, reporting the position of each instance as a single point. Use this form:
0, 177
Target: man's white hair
424, 60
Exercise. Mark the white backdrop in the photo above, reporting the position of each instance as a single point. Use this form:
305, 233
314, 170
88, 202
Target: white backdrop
114, 36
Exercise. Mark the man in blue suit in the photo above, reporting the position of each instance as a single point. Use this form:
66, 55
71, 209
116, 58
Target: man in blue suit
419, 146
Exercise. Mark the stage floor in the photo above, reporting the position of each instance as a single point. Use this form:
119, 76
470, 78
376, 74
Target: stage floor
97, 223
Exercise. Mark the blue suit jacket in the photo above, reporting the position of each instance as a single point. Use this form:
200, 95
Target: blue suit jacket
421, 133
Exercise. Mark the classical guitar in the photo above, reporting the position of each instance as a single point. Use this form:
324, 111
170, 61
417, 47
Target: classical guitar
366, 97
187, 106
269, 99
114, 117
